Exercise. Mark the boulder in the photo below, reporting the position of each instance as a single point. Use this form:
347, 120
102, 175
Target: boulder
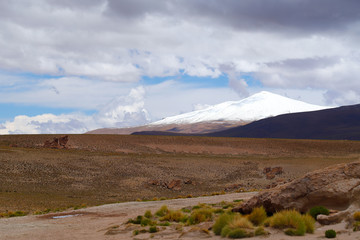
335, 187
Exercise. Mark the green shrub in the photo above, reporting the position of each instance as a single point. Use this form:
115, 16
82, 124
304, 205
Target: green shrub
162, 211
330, 234
136, 232
309, 223
356, 226
173, 216
315, 211
200, 215
239, 221
145, 222
237, 233
260, 231
291, 220
164, 224
148, 214
225, 231
221, 222
258, 216
153, 229
137, 220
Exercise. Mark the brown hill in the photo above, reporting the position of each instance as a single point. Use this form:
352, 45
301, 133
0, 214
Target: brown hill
195, 128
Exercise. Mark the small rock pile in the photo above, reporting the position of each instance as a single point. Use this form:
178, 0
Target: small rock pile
57, 143
272, 172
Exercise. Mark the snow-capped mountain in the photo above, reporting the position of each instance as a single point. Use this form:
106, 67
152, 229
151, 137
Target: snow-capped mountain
258, 106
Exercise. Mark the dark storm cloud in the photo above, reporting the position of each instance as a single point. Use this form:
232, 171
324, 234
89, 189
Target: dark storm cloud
136, 8
271, 15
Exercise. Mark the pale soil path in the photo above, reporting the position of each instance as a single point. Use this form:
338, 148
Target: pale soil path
94, 222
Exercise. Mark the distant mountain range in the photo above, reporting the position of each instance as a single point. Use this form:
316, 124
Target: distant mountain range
342, 123
222, 116
258, 106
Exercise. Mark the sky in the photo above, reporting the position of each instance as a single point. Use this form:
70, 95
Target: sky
73, 66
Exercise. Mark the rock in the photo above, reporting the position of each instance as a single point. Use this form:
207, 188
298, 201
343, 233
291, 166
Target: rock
57, 143
335, 187
272, 172
332, 218
174, 185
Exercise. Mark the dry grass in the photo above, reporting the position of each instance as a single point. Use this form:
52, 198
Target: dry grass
99, 169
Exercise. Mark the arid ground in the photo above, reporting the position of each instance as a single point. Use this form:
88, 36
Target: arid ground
100, 169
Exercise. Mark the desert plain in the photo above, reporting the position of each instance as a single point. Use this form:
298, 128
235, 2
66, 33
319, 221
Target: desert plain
135, 173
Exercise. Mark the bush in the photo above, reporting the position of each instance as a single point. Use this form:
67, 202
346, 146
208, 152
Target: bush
260, 231
258, 216
221, 222
173, 216
225, 231
200, 215
315, 211
233, 226
162, 211
148, 214
153, 229
330, 234
237, 233
309, 223
296, 223
137, 220
356, 226
239, 221
357, 216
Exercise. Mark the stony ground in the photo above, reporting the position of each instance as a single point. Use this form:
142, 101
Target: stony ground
108, 222
100, 169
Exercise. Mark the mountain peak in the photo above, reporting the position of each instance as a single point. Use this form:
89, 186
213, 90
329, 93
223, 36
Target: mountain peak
258, 106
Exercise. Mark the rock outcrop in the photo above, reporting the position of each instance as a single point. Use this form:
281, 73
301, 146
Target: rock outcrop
57, 143
272, 172
335, 187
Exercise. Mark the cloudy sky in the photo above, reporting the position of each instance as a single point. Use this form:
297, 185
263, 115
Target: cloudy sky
72, 66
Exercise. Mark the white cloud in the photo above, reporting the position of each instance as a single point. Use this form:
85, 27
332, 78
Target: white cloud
120, 112
101, 49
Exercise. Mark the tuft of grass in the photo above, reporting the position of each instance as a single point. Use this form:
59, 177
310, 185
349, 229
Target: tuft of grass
356, 226
136, 232
173, 216
153, 229
200, 215
225, 231
221, 222
260, 231
356, 216
237, 233
162, 211
292, 221
258, 216
330, 233
148, 214
239, 221
317, 210
309, 223
166, 224
238, 200
13, 214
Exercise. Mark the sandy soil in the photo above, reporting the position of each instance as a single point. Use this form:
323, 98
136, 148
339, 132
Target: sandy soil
107, 222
